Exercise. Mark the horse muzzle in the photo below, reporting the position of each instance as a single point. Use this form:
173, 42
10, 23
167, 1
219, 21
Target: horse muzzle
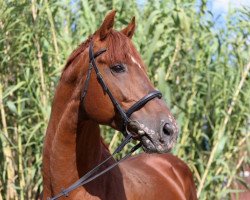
160, 139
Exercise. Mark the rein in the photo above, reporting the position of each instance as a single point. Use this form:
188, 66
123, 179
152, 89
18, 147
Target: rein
125, 115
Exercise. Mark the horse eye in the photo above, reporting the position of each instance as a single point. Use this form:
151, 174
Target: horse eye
118, 68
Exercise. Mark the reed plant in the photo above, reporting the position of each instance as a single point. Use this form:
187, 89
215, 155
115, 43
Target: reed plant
201, 68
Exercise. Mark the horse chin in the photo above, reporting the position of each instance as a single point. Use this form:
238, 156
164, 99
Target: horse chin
152, 146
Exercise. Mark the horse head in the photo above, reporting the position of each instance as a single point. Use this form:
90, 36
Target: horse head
125, 76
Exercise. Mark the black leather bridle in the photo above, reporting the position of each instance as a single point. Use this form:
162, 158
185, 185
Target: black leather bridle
125, 116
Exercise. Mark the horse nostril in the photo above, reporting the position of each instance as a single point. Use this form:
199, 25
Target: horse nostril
168, 129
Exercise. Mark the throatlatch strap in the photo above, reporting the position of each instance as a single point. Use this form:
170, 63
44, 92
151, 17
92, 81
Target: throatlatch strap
86, 84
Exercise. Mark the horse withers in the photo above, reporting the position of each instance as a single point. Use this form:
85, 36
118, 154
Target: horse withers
118, 94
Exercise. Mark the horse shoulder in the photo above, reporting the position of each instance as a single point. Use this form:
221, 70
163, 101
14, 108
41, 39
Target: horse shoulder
164, 174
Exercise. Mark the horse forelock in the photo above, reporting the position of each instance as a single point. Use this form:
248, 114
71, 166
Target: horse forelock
120, 48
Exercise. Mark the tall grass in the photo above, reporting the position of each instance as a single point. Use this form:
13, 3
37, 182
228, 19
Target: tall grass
202, 70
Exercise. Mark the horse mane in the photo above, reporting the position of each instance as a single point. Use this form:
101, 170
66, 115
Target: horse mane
77, 52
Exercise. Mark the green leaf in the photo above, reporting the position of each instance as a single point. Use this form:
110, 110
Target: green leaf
11, 106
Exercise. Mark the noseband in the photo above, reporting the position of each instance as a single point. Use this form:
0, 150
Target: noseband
125, 115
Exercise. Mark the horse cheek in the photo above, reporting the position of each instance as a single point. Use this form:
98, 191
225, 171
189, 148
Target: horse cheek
99, 109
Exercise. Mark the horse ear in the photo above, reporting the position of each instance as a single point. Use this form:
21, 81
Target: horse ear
107, 24
130, 29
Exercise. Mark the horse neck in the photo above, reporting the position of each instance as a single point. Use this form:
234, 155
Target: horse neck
76, 148
73, 143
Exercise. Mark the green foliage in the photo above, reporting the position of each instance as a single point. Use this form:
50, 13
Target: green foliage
201, 70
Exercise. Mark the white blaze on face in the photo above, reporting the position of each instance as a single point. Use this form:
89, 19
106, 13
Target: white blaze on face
134, 61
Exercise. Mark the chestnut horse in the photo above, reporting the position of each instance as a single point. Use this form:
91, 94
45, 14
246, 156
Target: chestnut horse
73, 144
